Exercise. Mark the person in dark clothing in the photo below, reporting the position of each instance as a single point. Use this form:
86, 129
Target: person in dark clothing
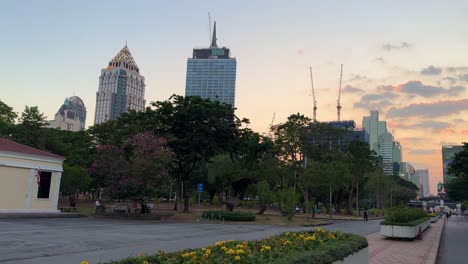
366, 215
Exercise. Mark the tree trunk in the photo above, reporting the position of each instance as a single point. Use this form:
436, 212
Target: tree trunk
350, 203
306, 201
357, 196
229, 204
186, 202
262, 209
313, 206
144, 206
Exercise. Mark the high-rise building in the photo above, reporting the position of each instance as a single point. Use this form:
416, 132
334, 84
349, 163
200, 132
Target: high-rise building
386, 152
211, 73
448, 153
121, 88
374, 128
380, 140
334, 139
71, 116
396, 158
424, 179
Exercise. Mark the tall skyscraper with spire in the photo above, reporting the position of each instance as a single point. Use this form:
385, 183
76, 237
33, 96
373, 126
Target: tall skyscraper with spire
121, 88
211, 73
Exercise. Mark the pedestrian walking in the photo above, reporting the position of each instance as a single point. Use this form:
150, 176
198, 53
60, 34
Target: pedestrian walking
366, 215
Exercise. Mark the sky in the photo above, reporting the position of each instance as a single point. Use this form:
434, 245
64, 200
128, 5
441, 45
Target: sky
406, 59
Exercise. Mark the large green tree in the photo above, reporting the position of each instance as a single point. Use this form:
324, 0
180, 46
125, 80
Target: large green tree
75, 179
198, 129
457, 188
7, 119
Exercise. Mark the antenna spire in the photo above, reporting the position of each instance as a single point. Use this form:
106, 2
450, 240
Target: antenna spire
338, 106
313, 95
213, 41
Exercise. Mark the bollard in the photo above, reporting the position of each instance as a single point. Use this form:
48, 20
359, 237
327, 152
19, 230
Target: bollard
419, 234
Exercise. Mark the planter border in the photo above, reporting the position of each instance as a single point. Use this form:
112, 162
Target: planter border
404, 231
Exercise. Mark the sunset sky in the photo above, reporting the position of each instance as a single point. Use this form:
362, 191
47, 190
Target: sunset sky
407, 59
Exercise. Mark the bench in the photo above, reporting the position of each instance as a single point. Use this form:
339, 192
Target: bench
122, 208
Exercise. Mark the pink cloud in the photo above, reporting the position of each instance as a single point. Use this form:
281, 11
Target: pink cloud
447, 131
464, 132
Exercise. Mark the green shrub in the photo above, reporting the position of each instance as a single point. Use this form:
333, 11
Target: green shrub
404, 216
316, 246
229, 216
216, 201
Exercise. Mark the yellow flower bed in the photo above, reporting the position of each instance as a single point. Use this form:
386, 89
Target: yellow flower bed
262, 251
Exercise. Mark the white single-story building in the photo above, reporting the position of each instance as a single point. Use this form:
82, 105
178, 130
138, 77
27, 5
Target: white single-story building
29, 179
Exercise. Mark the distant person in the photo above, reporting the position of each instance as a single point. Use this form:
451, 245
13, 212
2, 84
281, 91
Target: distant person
366, 215
466, 213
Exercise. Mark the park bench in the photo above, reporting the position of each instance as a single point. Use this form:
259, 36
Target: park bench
122, 208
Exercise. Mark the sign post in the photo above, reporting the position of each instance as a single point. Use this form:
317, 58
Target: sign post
199, 190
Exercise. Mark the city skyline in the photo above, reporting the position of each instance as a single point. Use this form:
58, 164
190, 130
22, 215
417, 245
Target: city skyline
398, 58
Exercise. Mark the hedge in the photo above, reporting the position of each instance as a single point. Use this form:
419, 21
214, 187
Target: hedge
317, 246
410, 223
229, 216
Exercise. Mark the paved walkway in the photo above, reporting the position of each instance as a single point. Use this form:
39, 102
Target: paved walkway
389, 251
453, 246
72, 240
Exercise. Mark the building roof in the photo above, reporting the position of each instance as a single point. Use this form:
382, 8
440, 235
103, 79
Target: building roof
11, 146
125, 56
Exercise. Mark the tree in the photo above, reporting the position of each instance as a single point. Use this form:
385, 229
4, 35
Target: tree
198, 129
28, 131
457, 187
31, 117
362, 162
136, 170
7, 119
74, 180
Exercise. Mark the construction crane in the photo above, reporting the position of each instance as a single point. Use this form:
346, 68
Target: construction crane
338, 106
273, 119
313, 95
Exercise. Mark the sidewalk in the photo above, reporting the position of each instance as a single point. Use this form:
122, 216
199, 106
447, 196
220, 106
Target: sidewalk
389, 251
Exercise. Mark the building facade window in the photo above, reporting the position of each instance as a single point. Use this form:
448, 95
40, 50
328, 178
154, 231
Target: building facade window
44, 185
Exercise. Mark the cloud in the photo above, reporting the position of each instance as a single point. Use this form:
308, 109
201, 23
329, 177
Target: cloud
376, 100
457, 69
430, 110
447, 131
431, 70
357, 77
378, 60
436, 125
463, 77
422, 151
464, 132
396, 46
413, 139
351, 89
418, 88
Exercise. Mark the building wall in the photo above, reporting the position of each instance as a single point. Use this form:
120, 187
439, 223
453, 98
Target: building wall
424, 178
214, 79
18, 188
386, 152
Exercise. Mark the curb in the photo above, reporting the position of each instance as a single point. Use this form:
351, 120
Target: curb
434, 250
41, 215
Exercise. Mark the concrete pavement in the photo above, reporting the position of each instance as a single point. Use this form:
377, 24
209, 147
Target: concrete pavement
392, 251
40, 241
454, 243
